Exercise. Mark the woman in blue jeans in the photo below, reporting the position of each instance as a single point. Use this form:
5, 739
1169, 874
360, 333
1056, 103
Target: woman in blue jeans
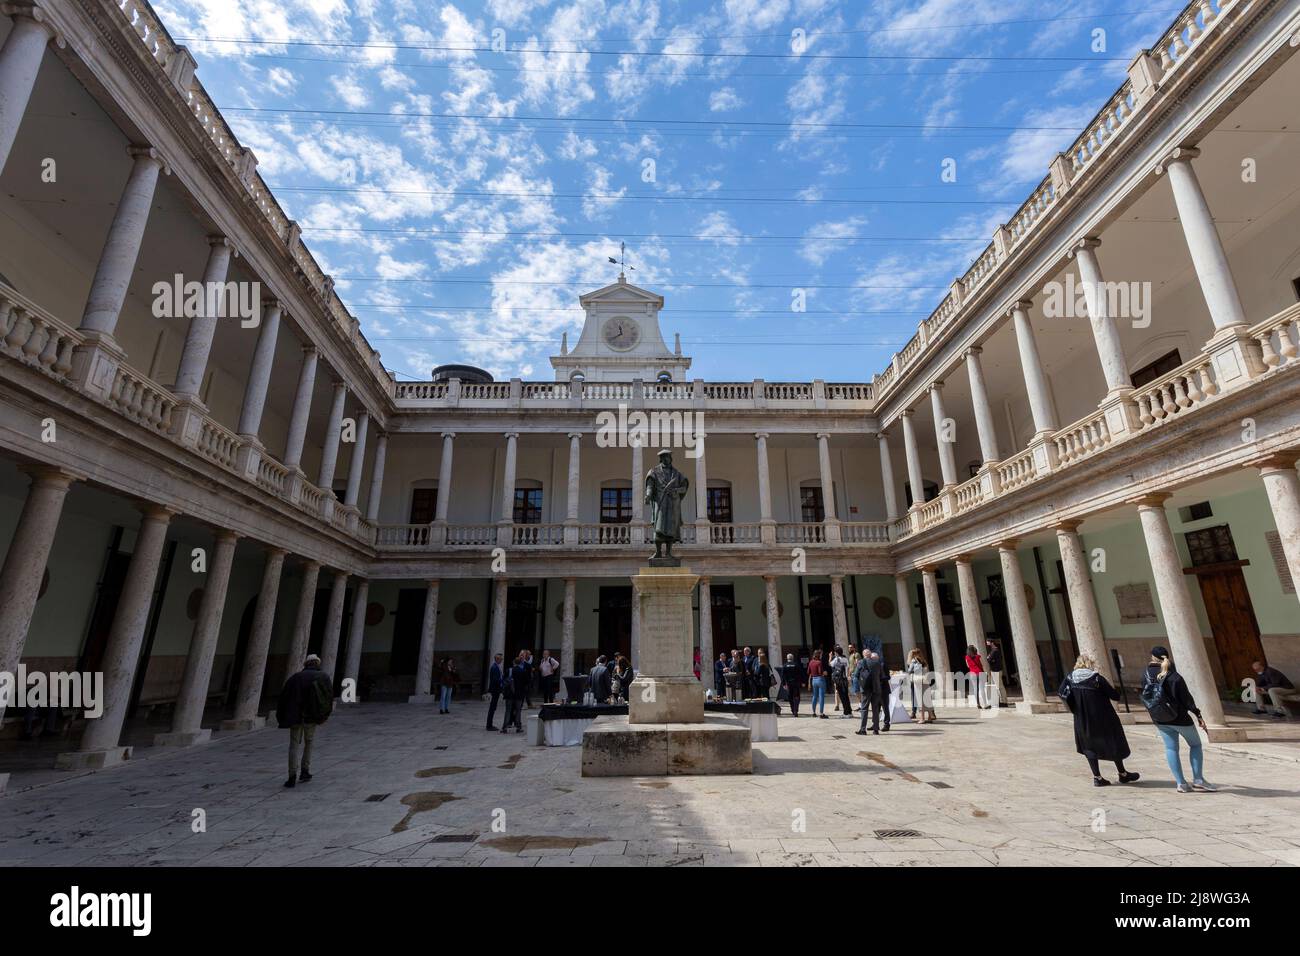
1175, 693
817, 680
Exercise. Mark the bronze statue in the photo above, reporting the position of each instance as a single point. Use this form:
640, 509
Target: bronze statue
665, 487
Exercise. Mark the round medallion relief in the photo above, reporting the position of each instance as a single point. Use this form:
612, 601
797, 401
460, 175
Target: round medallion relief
465, 613
883, 608
374, 613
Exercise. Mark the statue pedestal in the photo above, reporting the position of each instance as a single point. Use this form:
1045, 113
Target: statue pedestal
665, 731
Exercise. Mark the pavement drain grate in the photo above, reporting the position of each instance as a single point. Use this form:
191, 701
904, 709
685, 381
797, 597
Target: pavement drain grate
439, 748
939, 784
897, 834
455, 838
376, 797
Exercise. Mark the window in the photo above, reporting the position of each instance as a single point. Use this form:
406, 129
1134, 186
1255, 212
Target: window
931, 491
810, 504
664, 377
719, 504
1161, 366
1211, 546
424, 505
615, 505
528, 506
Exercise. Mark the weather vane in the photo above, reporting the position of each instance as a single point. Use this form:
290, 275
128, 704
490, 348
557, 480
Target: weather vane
621, 261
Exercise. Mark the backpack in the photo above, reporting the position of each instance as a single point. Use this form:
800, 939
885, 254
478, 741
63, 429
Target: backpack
318, 702
1158, 699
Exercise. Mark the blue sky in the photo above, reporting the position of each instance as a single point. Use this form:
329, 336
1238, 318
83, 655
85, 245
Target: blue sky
465, 169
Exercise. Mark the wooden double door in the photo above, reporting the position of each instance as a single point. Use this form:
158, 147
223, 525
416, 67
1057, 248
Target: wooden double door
1228, 606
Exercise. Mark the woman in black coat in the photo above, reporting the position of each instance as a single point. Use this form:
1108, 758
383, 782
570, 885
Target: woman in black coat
1098, 734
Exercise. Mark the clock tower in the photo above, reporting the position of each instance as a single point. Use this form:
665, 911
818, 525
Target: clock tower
620, 339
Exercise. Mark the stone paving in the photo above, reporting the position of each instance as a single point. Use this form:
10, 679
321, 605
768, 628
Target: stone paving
400, 785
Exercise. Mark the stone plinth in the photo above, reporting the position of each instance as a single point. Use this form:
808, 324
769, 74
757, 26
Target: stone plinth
245, 723
183, 738
92, 759
666, 690
613, 747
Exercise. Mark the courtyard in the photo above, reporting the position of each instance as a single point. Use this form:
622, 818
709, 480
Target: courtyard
397, 785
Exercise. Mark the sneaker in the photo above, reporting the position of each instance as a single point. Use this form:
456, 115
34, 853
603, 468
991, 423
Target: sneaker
1184, 788
291, 782
1129, 777
823, 717
1204, 787
491, 727
861, 733
1100, 782
304, 777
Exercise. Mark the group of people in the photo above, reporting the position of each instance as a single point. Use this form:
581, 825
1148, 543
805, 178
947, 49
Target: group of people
514, 684
746, 674
611, 681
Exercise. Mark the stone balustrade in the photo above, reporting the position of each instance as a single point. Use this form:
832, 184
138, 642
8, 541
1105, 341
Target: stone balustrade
34, 336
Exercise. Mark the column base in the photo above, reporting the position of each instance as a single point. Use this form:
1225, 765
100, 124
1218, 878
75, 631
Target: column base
1226, 735
831, 526
1045, 707
767, 531
92, 759
422, 699
188, 738
243, 723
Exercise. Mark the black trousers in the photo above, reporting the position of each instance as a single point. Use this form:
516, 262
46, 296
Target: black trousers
492, 708
793, 694
842, 689
549, 685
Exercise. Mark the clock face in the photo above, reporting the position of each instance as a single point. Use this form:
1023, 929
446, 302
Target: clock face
621, 334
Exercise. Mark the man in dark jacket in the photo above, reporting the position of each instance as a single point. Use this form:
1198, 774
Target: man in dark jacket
495, 676
602, 683
306, 701
1271, 685
719, 675
869, 682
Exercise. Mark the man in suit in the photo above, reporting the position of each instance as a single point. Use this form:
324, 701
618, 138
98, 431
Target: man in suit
602, 684
869, 679
495, 676
719, 675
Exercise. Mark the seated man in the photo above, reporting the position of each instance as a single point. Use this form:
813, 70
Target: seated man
1273, 685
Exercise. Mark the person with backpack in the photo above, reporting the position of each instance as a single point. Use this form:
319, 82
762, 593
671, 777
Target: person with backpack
496, 683
1169, 701
840, 681
1098, 734
874, 695
306, 701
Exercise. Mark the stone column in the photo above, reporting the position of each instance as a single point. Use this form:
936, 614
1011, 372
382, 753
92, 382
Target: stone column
637, 530
377, 478
972, 620
122, 246
20, 62
913, 453
980, 404
1203, 242
357, 632
947, 460
701, 496
444, 489
259, 645
839, 616
635, 638
329, 645
574, 488
329, 455
187, 720
499, 597
767, 524
203, 327
887, 477
706, 633
357, 461
827, 482
302, 623
100, 743
568, 621
301, 409
428, 635
1183, 632
259, 374
773, 605
1083, 604
1040, 397
505, 524
1109, 349
1282, 485
25, 561
1030, 671
934, 621
904, 601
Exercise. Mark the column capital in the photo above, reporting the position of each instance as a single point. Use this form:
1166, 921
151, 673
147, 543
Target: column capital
225, 534
972, 351
272, 551
217, 240
271, 302
963, 559
1085, 242
381, 435
1179, 154
446, 435
145, 151
308, 349
837, 578
882, 435
761, 435
936, 385
510, 435
769, 578
1155, 499
1020, 305
905, 413
1069, 525
823, 436
156, 512
30, 10
340, 384
574, 436
704, 579
927, 568
52, 475
1276, 461
311, 564
1008, 544
432, 583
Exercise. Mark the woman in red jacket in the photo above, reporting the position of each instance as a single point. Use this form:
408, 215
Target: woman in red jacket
975, 667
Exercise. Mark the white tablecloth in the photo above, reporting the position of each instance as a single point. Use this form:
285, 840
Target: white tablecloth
900, 699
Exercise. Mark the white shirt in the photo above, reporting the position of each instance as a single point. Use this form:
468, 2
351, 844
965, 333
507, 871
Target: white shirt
549, 666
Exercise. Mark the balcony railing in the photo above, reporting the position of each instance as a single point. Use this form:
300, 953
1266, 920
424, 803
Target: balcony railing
34, 336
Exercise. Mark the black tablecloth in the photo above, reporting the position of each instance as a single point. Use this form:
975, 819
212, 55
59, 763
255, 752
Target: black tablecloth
580, 711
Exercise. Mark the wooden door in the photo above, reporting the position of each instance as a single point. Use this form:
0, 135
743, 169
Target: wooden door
1232, 621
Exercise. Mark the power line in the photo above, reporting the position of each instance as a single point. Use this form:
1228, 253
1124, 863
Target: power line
655, 237
671, 283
